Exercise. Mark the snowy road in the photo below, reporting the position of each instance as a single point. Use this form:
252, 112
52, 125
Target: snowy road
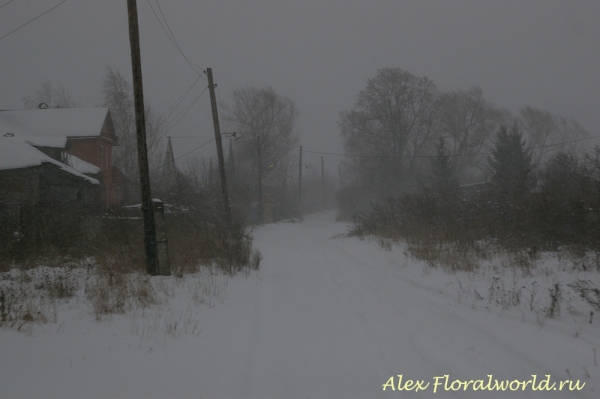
333, 318
324, 318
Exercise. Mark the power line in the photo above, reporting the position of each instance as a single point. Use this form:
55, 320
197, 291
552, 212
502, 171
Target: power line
31, 20
365, 156
181, 98
568, 142
416, 156
185, 111
172, 38
197, 148
7, 3
182, 113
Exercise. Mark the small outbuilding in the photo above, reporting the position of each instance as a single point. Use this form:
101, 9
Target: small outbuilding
28, 177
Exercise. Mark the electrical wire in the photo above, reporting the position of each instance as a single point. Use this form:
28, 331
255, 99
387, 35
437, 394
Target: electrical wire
365, 156
415, 156
175, 40
7, 3
172, 38
181, 98
31, 20
184, 112
197, 148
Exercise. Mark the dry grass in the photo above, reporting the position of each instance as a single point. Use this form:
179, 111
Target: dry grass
588, 292
448, 256
99, 259
497, 254
30, 297
110, 293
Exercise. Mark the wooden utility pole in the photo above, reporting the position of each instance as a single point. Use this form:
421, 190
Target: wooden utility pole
215, 115
152, 262
260, 202
300, 176
323, 181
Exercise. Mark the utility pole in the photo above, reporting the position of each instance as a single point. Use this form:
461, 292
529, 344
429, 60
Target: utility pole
323, 181
215, 115
300, 176
152, 263
260, 204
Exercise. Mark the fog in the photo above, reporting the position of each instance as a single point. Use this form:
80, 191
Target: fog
467, 216
319, 54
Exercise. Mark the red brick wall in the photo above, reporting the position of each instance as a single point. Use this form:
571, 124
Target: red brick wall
86, 149
98, 152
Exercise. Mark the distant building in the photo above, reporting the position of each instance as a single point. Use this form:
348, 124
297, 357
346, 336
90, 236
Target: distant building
29, 177
74, 141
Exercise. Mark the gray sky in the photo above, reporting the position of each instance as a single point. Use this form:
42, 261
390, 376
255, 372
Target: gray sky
320, 53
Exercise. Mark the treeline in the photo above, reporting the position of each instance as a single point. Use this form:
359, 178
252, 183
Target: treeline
399, 119
555, 207
432, 168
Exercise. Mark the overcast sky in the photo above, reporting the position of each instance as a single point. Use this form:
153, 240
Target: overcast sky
320, 53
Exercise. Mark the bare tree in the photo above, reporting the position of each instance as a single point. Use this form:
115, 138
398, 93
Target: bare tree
285, 182
266, 123
468, 123
118, 97
263, 114
52, 97
393, 122
547, 133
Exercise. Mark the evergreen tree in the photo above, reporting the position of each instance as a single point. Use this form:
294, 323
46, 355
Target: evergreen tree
511, 164
443, 179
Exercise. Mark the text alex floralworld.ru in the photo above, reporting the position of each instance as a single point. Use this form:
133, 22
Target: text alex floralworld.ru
444, 383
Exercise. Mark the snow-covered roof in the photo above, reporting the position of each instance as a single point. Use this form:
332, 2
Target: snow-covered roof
48, 141
53, 122
16, 153
82, 166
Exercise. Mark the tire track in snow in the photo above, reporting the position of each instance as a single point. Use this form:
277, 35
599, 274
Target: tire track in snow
395, 325
444, 310
452, 320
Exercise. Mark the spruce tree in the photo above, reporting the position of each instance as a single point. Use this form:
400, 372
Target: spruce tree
511, 164
443, 179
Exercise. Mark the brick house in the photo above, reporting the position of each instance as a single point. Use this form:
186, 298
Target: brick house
80, 138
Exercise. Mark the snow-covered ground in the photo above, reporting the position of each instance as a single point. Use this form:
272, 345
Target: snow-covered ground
323, 318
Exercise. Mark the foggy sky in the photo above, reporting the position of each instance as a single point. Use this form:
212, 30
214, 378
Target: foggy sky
320, 53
